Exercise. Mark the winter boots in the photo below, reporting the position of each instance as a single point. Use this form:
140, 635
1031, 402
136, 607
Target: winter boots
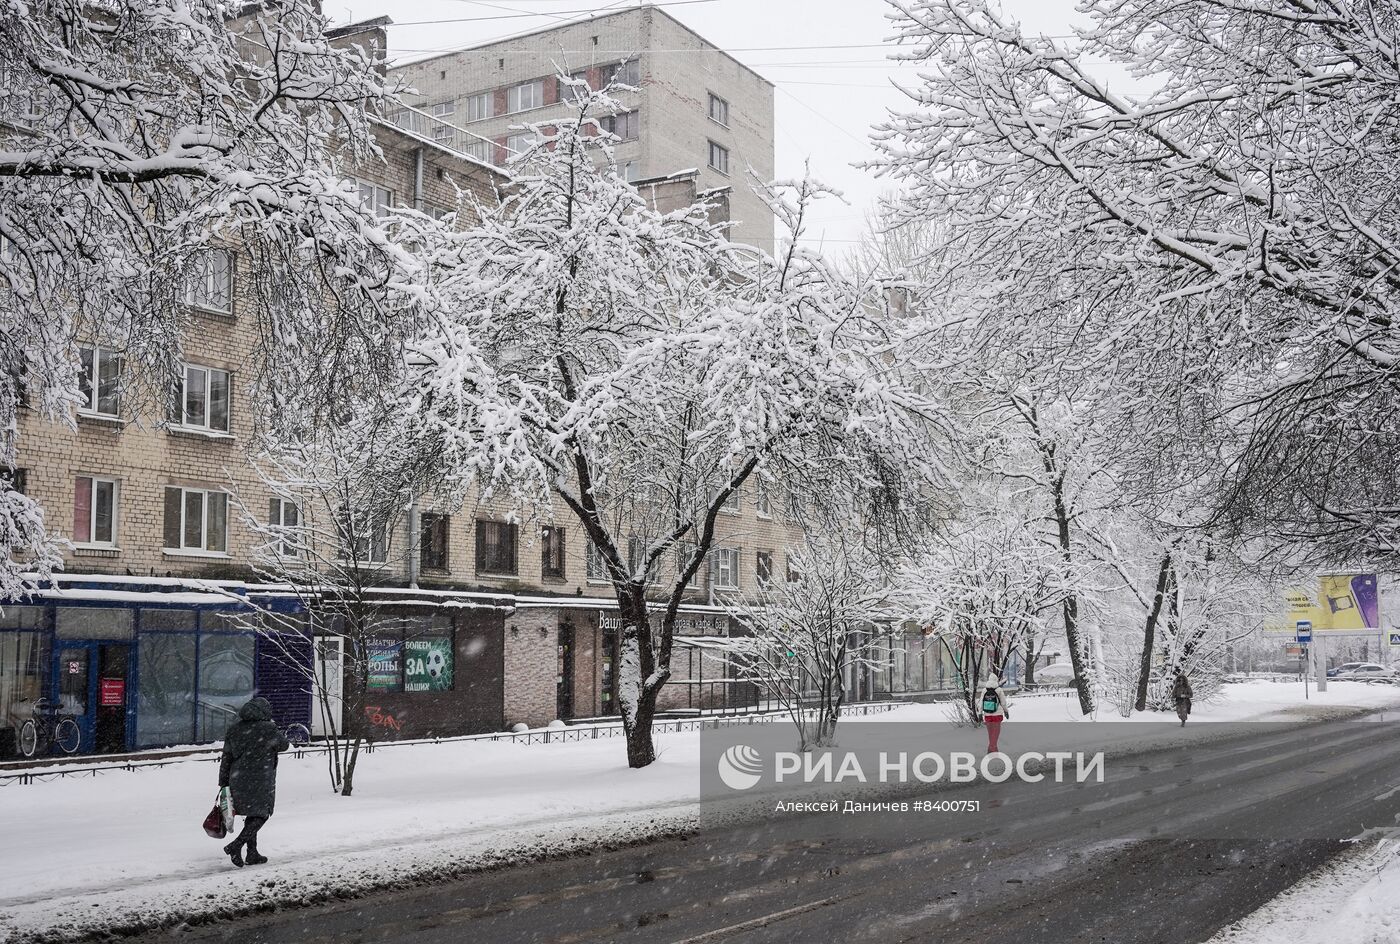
234, 851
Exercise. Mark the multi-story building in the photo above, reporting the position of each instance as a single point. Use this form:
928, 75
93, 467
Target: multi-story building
145, 638
696, 106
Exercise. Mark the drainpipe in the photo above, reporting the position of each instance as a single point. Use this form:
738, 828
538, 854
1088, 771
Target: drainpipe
418, 179
414, 535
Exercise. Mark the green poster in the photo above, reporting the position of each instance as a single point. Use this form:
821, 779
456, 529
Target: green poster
427, 665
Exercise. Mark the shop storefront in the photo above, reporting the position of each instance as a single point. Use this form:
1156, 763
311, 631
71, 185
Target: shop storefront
139, 666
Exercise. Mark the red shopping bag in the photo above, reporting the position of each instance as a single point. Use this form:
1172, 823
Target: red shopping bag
214, 823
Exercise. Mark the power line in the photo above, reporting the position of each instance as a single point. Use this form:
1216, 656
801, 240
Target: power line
519, 16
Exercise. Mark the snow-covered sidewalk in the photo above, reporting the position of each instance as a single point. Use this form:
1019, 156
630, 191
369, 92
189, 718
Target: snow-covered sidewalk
1355, 899
125, 849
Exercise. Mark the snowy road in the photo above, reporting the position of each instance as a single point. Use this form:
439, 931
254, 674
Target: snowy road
1036, 870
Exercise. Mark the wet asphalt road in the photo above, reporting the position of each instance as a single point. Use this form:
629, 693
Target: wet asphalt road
1177, 844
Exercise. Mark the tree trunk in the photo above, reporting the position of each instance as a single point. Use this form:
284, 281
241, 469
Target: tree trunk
1071, 603
1029, 671
1150, 630
636, 665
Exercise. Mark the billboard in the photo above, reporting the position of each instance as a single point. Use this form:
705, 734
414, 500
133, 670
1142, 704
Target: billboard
1351, 602
1343, 603
427, 665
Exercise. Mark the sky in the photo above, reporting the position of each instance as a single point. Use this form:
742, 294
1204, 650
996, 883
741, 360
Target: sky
827, 58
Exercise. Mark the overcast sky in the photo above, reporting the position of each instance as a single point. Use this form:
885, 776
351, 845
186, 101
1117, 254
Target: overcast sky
826, 99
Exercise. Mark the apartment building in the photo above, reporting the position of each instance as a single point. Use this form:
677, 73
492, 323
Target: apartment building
697, 107
142, 639
145, 638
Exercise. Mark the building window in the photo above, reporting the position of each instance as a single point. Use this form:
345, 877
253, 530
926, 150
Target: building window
762, 499
481, 105
719, 158
763, 568
375, 198
577, 93
793, 574
100, 380
283, 517
719, 110
552, 552
623, 73
518, 144
524, 96
196, 519
724, 568
685, 552
480, 148
95, 511
596, 567
203, 399
444, 111
731, 503
14, 480
625, 126
495, 547
432, 541
630, 171
636, 557
373, 548
210, 282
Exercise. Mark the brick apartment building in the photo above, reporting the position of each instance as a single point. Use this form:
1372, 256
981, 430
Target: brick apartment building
698, 108
144, 638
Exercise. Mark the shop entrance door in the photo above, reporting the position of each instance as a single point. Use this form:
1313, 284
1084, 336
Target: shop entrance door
564, 679
330, 679
93, 688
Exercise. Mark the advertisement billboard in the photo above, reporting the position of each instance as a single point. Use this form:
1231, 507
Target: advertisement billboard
1343, 603
427, 665
384, 655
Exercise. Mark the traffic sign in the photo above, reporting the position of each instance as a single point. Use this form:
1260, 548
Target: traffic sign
1395, 639
1305, 631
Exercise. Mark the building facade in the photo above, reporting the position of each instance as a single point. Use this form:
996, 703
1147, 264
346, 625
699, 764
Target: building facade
696, 107
158, 627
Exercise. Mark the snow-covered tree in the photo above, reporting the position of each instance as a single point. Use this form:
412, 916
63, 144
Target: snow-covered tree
1222, 243
136, 142
326, 535
806, 630
640, 369
983, 588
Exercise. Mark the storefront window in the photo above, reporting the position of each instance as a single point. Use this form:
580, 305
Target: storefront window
23, 656
165, 695
93, 622
225, 681
153, 620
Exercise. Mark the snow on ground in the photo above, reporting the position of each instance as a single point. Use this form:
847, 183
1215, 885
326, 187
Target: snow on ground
124, 848
1355, 899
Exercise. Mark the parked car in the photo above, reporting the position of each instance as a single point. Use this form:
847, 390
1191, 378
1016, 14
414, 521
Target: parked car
1367, 670
1056, 673
1344, 667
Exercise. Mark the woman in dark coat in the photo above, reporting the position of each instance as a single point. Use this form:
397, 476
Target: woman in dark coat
1181, 696
249, 770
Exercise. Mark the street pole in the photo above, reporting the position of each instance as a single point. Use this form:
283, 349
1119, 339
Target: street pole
1320, 657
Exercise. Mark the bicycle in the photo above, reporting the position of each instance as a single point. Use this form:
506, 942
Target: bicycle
47, 729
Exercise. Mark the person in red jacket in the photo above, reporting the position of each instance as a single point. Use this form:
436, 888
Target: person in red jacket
994, 710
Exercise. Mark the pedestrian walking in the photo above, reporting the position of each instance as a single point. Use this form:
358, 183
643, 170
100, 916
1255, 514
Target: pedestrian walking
994, 710
248, 769
1181, 696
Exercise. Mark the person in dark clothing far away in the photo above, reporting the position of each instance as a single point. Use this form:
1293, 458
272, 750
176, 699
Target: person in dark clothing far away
1181, 695
249, 770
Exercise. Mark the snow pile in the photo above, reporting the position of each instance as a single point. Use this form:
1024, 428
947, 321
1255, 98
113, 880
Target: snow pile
1356, 899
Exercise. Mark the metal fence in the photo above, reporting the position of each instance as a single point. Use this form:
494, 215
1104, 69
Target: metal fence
564, 735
